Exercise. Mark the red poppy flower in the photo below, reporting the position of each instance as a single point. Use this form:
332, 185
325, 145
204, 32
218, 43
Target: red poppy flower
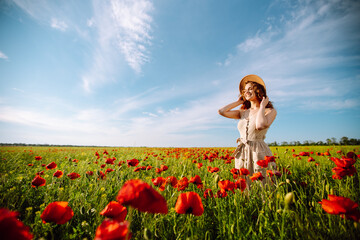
351, 155
132, 162
58, 174
182, 184
240, 184
51, 165
43, 165
97, 155
57, 212
142, 196
158, 170
214, 169
235, 171
103, 165
221, 193
114, 210
199, 165
38, 158
38, 181
342, 172
304, 154
30, 164
11, 227
172, 180
101, 175
197, 181
90, 173
163, 168
262, 163
110, 161
148, 167
111, 229
244, 171
109, 170
159, 182
270, 158
344, 162
226, 185
189, 203
257, 176
73, 175
341, 206
208, 193
310, 159
105, 152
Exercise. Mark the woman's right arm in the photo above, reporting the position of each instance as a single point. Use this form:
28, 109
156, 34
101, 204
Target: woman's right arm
227, 112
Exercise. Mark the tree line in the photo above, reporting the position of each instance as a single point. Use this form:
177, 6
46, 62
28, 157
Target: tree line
327, 142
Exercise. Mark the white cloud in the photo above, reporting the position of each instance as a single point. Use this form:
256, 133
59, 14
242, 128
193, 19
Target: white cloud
58, 24
3, 56
296, 54
124, 30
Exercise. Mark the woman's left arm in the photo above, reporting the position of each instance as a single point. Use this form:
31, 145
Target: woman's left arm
264, 120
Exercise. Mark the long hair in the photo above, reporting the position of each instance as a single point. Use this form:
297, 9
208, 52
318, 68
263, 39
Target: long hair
260, 92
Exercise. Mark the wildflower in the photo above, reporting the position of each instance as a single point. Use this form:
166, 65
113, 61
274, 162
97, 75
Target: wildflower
11, 227
38, 158
159, 182
113, 229
262, 163
51, 165
110, 160
58, 174
142, 196
197, 181
310, 159
240, 184
73, 175
57, 212
304, 154
244, 171
342, 206
132, 162
109, 170
38, 182
172, 180
226, 185
115, 211
270, 158
182, 184
208, 193
257, 176
189, 203
90, 173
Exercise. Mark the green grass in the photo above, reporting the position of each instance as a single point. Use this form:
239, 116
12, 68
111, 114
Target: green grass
257, 214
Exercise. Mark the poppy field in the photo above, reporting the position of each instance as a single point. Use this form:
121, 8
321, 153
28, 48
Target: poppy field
178, 193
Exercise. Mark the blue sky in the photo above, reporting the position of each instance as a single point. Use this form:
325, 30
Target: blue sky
154, 73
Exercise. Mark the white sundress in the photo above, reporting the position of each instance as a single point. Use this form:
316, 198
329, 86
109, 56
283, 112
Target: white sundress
251, 145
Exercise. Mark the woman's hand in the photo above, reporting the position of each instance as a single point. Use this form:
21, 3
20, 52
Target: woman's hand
264, 102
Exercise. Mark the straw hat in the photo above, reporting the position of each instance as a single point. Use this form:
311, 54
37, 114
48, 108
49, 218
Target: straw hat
251, 78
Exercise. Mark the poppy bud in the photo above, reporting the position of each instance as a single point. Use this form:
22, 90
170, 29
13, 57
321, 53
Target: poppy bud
289, 199
216, 179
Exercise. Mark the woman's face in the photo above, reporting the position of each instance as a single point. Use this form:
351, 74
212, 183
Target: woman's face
248, 92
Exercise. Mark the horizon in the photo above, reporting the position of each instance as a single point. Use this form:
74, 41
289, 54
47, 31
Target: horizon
155, 73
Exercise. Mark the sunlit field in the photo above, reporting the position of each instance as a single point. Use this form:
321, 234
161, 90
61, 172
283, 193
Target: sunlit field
177, 193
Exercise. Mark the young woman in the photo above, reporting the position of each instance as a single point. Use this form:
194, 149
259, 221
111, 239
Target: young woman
255, 115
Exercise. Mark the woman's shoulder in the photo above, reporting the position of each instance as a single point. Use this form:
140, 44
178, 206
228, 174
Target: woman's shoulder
271, 111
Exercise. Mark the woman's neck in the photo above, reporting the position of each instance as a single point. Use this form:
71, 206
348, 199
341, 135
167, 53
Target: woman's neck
254, 105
